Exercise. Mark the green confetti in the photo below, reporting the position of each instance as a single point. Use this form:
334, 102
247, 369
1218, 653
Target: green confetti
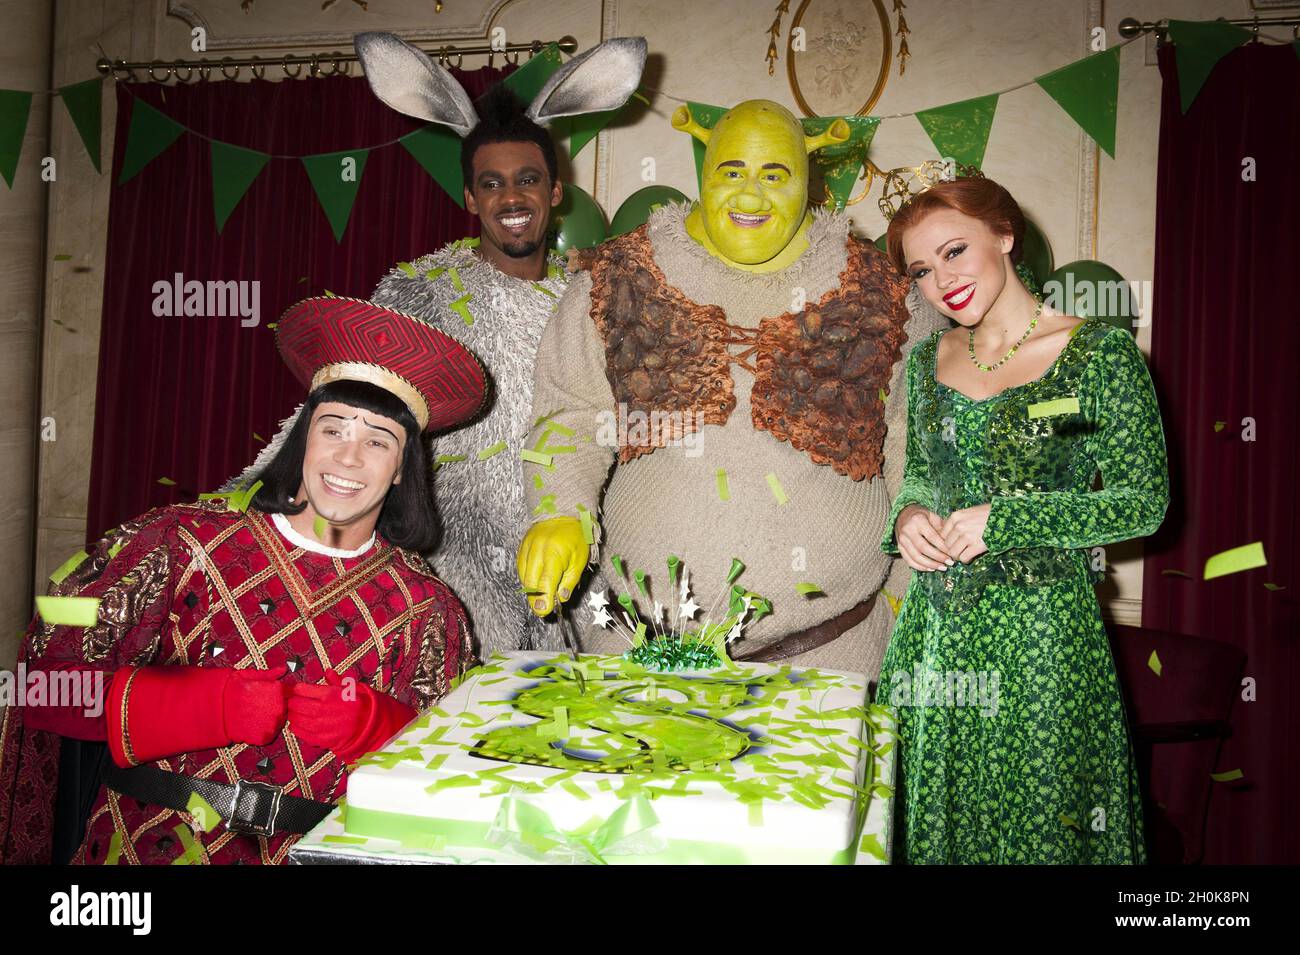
724, 490
542, 288
62, 257
68, 566
1069, 821
806, 589
114, 849
552, 425
561, 717
205, 817
1220, 425
882, 396
492, 449
318, 527
588, 531
258, 437
538, 482
546, 505
1175, 573
1273, 586
574, 790
408, 268
777, 491
461, 308
1044, 409
1154, 663
345, 839
434, 273
168, 482
1234, 561
69, 611
1227, 777
449, 458
535, 457
455, 279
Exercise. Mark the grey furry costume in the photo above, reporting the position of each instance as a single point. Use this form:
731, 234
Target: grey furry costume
481, 502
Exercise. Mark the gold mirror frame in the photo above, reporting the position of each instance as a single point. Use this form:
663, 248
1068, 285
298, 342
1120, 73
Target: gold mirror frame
885, 60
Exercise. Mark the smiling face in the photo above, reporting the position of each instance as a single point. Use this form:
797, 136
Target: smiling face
512, 195
353, 457
754, 193
959, 264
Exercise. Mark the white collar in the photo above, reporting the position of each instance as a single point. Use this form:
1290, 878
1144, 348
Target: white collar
316, 547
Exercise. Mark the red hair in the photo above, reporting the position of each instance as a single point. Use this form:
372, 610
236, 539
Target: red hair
977, 198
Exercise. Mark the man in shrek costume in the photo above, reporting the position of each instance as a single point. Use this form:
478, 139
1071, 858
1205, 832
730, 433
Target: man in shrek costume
740, 362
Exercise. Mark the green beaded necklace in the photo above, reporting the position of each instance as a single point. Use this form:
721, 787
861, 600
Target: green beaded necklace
1001, 361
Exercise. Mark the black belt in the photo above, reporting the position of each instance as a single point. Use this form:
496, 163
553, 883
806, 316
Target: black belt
251, 808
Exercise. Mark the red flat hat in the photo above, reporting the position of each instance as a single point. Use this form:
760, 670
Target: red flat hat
333, 338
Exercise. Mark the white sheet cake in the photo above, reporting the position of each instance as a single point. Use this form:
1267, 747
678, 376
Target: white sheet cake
537, 754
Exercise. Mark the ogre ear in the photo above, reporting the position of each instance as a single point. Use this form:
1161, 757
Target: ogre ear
404, 78
598, 80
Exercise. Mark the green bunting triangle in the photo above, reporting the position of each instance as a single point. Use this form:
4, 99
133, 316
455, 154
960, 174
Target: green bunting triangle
1089, 91
706, 116
583, 129
1198, 47
961, 130
841, 164
148, 135
84, 102
233, 171
15, 107
437, 149
327, 172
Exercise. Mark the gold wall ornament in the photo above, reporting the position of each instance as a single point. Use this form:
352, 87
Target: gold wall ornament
847, 45
902, 33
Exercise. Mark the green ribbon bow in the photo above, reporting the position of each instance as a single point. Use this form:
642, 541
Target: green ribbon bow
523, 828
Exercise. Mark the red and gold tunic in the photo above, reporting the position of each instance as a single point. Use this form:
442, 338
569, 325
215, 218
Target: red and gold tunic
199, 585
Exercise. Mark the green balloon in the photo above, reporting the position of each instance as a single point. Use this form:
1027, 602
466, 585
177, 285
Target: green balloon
578, 221
1036, 253
1092, 289
637, 207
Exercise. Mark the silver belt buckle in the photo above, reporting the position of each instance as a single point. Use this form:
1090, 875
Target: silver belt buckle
248, 824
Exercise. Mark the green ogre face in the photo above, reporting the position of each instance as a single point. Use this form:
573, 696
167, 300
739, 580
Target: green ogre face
754, 193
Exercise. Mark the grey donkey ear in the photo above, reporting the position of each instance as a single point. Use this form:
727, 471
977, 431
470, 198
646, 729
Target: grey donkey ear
600, 79
404, 78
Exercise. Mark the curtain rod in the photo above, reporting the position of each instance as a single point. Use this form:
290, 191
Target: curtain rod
338, 62
1130, 27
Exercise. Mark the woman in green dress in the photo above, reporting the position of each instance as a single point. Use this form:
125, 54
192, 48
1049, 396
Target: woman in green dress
1014, 742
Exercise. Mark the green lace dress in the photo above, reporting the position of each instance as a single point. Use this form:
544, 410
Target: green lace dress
1014, 743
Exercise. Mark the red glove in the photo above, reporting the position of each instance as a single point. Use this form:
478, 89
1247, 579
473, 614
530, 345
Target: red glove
78, 720
161, 711
351, 720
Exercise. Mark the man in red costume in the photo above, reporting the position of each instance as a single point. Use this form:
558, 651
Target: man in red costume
249, 650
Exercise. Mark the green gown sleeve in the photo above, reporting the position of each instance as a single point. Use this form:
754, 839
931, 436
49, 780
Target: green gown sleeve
1127, 445
917, 488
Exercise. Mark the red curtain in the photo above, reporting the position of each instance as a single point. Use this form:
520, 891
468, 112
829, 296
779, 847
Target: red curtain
1226, 347
181, 398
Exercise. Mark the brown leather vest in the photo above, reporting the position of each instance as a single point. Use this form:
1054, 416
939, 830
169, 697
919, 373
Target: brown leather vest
819, 374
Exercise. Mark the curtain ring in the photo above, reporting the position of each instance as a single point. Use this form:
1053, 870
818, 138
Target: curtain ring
176, 71
225, 65
157, 64
442, 56
205, 72
313, 69
460, 58
257, 68
515, 61
491, 56
295, 74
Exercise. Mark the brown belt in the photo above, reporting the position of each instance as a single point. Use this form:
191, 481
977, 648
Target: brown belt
793, 644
